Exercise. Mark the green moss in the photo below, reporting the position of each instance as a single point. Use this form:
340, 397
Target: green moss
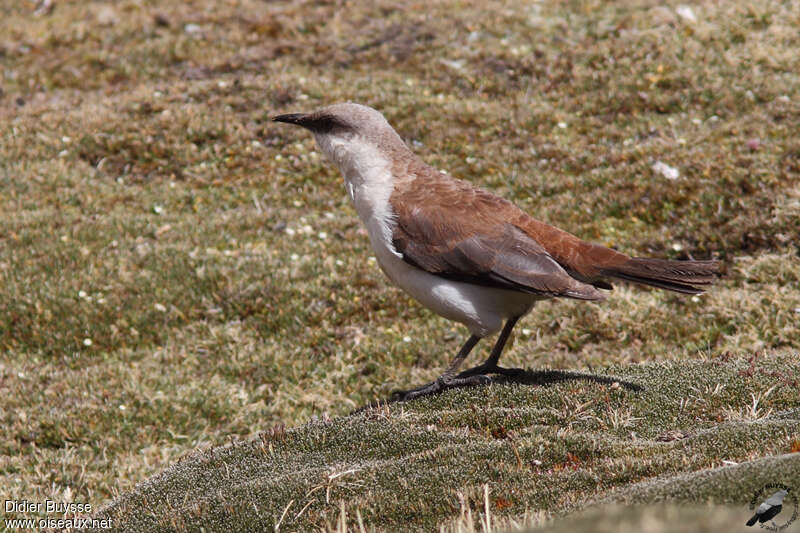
404, 465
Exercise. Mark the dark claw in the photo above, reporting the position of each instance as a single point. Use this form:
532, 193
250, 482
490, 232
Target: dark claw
441, 384
426, 390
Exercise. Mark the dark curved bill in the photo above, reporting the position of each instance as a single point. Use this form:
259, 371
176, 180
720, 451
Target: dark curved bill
291, 118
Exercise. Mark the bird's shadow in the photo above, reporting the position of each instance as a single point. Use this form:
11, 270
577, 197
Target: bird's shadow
525, 377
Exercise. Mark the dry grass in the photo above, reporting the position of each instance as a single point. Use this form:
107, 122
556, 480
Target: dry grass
176, 271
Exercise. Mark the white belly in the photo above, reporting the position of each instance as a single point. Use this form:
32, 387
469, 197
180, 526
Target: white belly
482, 309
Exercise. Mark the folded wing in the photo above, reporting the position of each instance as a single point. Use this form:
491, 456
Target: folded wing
451, 229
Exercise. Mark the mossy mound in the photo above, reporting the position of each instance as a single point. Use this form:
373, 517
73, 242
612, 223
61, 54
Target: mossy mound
557, 447
734, 485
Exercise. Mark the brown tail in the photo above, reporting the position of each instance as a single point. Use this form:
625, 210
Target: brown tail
688, 277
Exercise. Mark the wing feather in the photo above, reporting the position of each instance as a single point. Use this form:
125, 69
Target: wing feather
484, 247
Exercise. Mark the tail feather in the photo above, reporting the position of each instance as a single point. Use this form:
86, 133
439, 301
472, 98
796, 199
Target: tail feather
753, 520
688, 277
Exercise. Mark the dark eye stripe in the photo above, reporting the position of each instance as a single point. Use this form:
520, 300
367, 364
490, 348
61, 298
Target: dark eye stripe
326, 124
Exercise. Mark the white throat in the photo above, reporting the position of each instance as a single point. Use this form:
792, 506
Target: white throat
369, 181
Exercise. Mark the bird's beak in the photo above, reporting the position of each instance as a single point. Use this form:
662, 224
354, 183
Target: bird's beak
297, 119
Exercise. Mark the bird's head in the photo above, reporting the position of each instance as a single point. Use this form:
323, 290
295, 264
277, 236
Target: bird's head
353, 136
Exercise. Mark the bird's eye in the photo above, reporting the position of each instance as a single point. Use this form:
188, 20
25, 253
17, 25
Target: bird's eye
329, 124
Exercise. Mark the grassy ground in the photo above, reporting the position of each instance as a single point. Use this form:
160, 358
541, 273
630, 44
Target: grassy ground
176, 271
505, 450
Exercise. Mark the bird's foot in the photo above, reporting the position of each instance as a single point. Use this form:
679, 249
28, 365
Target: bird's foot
484, 369
441, 384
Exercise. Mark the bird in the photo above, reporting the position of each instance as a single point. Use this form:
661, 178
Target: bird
463, 252
769, 509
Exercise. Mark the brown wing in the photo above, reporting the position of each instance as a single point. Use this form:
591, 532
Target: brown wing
449, 228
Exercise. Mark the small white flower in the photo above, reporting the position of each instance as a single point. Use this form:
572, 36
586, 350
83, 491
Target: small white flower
157, 209
562, 125
82, 294
290, 231
526, 332
671, 173
122, 407
406, 339
339, 262
686, 13
160, 307
87, 342
322, 235
454, 64
295, 257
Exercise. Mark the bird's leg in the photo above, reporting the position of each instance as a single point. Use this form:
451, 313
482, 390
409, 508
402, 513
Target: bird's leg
448, 378
490, 365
